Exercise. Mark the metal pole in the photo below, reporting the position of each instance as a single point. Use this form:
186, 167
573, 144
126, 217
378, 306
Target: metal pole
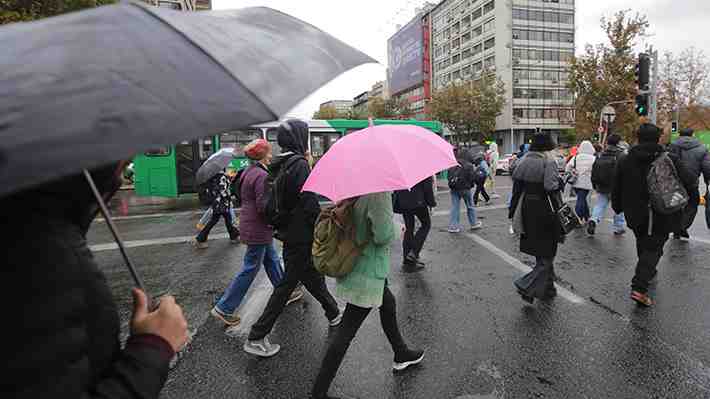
112, 227
654, 88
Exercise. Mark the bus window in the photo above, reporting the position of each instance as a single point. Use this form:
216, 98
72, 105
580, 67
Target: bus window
272, 136
238, 139
321, 143
205, 148
158, 152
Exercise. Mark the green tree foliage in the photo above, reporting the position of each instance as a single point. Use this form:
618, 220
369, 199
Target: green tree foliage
470, 108
328, 113
391, 108
605, 73
29, 10
684, 85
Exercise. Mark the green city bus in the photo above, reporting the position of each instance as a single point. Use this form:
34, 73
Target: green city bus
170, 171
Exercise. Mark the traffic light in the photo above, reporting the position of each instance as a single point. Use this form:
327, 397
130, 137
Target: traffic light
674, 127
642, 105
643, 67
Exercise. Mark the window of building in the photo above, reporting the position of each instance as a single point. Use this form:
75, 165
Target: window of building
518, 112
476, 14
466, 54
477, 31
489, 62
552, 75
477, 49
566, 19
489, 7
477, 67
456, 75
490, 43
455, 59
489, 26
456, 43
466, 71
552, 17
466, 37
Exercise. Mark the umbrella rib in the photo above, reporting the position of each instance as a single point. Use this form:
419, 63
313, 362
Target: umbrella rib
209, 55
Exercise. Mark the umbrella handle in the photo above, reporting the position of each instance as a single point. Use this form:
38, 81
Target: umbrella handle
153, 304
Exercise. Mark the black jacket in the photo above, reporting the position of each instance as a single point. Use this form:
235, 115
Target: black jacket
630, 194
694, 155
303, 206
61, 324
420, 196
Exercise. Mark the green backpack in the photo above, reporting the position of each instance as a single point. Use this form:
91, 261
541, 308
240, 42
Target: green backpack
334, 248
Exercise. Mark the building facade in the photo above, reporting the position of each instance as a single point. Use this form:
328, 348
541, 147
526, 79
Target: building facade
342, 106
527, 43
360, 102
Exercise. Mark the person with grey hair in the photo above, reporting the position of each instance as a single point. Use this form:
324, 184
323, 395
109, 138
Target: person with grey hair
695, 157
536, 188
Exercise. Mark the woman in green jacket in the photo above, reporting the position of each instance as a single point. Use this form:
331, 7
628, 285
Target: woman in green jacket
366, 288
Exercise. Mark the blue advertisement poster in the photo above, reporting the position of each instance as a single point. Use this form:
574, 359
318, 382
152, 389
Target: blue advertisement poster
405, 57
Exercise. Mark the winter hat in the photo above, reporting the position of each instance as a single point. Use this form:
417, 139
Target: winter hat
687, 132
257, 149
649, 133
542, 142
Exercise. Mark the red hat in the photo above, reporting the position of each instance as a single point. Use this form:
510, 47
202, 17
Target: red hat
257, 149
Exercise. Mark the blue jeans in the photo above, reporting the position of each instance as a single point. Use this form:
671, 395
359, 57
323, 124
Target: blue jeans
582, 207
456, 197
255, 256
600, 208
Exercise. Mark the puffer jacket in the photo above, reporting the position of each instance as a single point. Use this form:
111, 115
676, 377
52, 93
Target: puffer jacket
252, 226
694, 156
583, 162
62, 326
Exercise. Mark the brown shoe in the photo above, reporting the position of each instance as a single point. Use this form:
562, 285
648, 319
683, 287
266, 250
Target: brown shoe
641, 298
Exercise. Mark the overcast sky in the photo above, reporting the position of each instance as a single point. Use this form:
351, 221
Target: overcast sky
367, 24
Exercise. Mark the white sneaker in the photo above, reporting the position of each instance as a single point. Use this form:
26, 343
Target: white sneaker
337, 320
261, 348
454, 230
511, 230
477, 226
200, 245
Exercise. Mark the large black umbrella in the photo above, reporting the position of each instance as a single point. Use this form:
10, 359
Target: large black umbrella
83, 89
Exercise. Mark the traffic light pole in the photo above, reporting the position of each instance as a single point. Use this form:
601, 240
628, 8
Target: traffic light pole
653, 107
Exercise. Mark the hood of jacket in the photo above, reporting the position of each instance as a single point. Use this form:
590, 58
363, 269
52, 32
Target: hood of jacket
586, 148
68, 198
645, 153
688, 143
493, 147
293, 136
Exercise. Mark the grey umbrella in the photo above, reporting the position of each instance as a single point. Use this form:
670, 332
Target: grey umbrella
82, 89
214, 164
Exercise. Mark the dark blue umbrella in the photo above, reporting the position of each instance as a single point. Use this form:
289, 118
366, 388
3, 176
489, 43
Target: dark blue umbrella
82, 89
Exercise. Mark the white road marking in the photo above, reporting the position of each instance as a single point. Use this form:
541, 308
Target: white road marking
152, 215
157, 241
561, 291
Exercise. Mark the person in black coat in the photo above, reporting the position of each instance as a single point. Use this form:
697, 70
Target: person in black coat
62, 329
631, 196
410, 204
535, 183
302, 210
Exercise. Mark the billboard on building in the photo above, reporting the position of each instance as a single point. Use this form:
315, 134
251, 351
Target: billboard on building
405, 57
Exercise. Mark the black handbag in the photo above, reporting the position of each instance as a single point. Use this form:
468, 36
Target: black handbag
566, 216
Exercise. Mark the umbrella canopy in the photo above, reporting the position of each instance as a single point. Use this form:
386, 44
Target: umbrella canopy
82, 89
214, 164
378, 159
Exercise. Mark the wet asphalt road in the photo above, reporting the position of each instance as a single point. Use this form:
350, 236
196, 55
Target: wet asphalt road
482, 341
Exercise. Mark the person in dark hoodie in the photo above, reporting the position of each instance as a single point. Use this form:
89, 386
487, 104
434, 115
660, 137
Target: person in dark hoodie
631, 197
410, 204
696, 159
64, 341
302, 210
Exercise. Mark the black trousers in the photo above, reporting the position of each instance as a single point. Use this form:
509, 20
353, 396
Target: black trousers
299, 268
650, 251
352, 320
480, 190
690, 211
538, 282
414, 242
228, 222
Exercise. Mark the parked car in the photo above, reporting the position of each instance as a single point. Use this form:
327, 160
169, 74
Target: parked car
504, 164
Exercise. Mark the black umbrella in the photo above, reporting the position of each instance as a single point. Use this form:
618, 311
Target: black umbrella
214, 164
83, 89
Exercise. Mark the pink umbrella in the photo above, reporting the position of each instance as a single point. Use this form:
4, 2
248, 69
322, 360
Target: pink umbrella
378, 159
